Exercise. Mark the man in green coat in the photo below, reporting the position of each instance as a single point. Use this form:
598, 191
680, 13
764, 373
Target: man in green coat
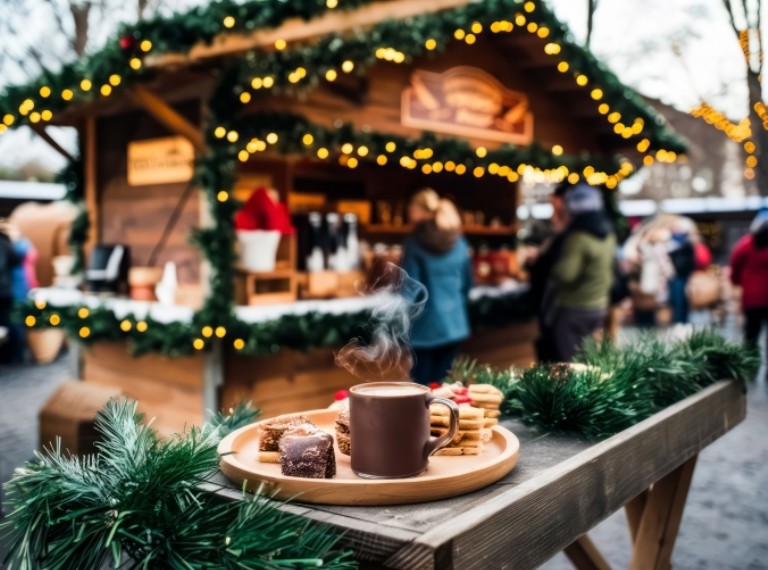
583, 275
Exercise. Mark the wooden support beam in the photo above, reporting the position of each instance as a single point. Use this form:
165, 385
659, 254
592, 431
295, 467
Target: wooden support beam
43, 134
90, 182
661, 518
296, 29
168, 116
584, 555
634, 512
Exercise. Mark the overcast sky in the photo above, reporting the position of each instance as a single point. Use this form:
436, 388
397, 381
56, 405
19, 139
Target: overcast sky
637, 38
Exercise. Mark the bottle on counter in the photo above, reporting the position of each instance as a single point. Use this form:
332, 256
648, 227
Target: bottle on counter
335, 250
315, 258
352, 242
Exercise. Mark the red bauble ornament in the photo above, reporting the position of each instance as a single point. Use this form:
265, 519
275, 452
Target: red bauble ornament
127, 43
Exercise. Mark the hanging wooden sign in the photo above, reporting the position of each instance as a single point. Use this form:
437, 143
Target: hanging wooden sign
160, 161
469, 102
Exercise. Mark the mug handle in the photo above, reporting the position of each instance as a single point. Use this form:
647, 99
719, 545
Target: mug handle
439, 442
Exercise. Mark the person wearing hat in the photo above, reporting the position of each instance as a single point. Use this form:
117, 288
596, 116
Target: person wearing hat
749, 269
584, 273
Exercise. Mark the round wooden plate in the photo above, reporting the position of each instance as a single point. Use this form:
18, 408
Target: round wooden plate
445, 476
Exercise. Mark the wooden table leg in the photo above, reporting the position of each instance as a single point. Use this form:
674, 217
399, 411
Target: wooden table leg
584, 555
634, 511
659, 522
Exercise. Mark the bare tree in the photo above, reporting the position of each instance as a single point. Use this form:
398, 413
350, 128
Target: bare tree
591, 7
745, 20
63, 30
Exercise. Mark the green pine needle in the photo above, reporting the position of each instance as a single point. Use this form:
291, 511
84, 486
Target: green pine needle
137, 503
620, 385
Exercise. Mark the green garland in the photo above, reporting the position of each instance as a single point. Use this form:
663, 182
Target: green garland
138, 503
296, 332
618, 387
71, 176
119, 63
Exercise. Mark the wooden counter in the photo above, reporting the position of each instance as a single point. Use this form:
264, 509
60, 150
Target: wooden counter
560, 489
179, 391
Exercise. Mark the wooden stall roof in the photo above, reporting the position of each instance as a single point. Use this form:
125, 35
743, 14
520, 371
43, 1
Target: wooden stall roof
184, 54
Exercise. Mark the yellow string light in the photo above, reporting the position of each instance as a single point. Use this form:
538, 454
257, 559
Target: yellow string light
145, 46
30, 321
245, 97
83, 312
222, 196
198, 344
126, 326
141, 326
84, 332
239, 344
308, 139
229, 22
135, 63
430, 44
322, 153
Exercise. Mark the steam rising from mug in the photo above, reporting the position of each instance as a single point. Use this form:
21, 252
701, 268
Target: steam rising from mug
387, 356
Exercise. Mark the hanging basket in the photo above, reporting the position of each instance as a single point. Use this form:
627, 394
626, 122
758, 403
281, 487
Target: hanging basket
45, 344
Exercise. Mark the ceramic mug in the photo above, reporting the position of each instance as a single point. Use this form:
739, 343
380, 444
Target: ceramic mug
390, 429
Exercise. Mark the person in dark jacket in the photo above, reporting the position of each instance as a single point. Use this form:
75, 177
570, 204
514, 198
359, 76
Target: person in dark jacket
8, 261
584, 272
749, 269
683, 257
540, 270
436, 255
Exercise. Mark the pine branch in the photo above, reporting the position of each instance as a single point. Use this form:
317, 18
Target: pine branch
139, 500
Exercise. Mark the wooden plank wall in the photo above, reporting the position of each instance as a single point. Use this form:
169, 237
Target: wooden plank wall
287, 382
137, 215
502, 347
168, 389
374, 101
291, 381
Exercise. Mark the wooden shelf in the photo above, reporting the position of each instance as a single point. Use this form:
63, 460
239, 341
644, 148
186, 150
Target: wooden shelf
381, 229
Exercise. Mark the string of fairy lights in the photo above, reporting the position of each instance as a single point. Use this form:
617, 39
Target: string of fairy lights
290, 69
740, 132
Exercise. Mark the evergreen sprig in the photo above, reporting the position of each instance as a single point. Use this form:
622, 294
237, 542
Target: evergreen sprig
138, 503
613, 388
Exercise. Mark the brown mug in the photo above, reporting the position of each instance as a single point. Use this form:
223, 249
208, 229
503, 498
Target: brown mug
389, 429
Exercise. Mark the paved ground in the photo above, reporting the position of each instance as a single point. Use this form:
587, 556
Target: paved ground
725, 525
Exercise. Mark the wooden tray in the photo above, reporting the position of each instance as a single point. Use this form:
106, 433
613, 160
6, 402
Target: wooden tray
445, 477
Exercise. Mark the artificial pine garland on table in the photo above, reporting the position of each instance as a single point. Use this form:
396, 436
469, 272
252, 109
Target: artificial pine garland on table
138, 503
614, 388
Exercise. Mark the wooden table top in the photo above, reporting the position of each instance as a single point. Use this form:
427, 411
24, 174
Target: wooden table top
561, 487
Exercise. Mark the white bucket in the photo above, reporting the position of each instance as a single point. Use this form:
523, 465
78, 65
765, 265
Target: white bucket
258, 249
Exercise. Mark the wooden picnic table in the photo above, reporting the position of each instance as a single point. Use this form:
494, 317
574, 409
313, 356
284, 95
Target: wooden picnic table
561, 487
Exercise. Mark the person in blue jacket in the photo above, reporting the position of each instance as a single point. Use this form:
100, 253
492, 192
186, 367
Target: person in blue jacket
436, 255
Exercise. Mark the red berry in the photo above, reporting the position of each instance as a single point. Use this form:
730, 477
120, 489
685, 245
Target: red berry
341, 395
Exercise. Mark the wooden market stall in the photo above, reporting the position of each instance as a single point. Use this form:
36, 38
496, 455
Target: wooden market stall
338, 111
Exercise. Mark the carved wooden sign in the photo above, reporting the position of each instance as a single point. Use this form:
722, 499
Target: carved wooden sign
160, 161
469, 102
